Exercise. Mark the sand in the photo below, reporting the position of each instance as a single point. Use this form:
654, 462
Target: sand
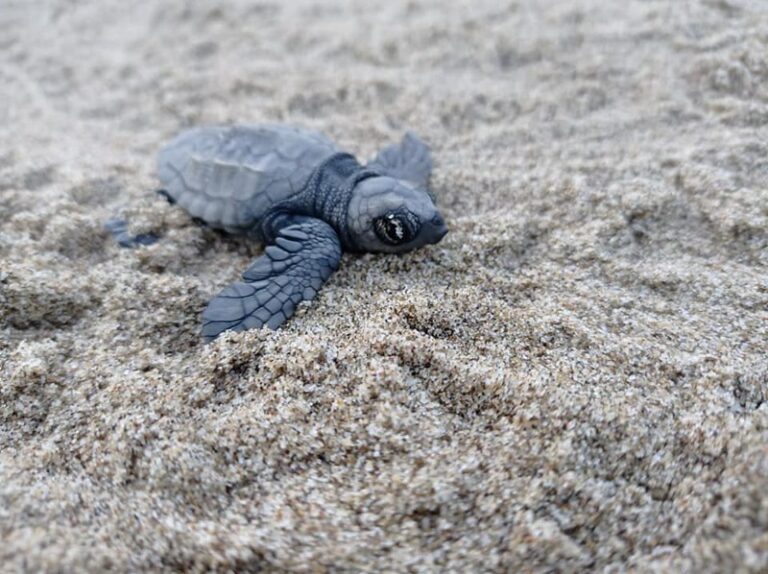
575, 379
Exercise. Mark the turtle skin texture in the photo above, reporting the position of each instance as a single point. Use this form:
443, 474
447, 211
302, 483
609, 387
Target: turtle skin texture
294, 190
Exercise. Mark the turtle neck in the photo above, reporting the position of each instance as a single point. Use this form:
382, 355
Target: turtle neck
325, 196
329, 191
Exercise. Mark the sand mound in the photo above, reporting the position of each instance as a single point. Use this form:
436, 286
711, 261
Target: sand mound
574, 379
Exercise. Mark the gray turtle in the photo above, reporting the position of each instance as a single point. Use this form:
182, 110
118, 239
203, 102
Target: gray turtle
294, 190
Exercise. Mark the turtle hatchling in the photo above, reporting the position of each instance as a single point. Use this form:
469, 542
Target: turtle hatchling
294, 190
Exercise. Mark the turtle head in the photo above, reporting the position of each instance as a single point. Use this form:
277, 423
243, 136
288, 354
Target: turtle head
392, 216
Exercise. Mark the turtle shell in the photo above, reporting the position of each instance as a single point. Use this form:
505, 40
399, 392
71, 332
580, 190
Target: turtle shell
230, 177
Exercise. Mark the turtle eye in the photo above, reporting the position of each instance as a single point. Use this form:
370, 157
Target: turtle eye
394, 228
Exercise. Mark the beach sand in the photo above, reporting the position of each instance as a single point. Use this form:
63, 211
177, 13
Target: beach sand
574, 379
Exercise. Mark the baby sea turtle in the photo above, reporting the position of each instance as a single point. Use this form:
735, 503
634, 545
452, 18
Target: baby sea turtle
294, 190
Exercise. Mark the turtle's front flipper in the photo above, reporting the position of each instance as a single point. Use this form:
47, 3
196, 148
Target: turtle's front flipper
303, 255
409, 160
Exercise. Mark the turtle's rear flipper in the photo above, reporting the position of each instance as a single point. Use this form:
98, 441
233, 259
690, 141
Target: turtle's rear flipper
119, 230
409, 160
292, 269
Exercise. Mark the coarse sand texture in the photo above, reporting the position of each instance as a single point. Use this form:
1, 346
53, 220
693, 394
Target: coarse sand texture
573, 380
